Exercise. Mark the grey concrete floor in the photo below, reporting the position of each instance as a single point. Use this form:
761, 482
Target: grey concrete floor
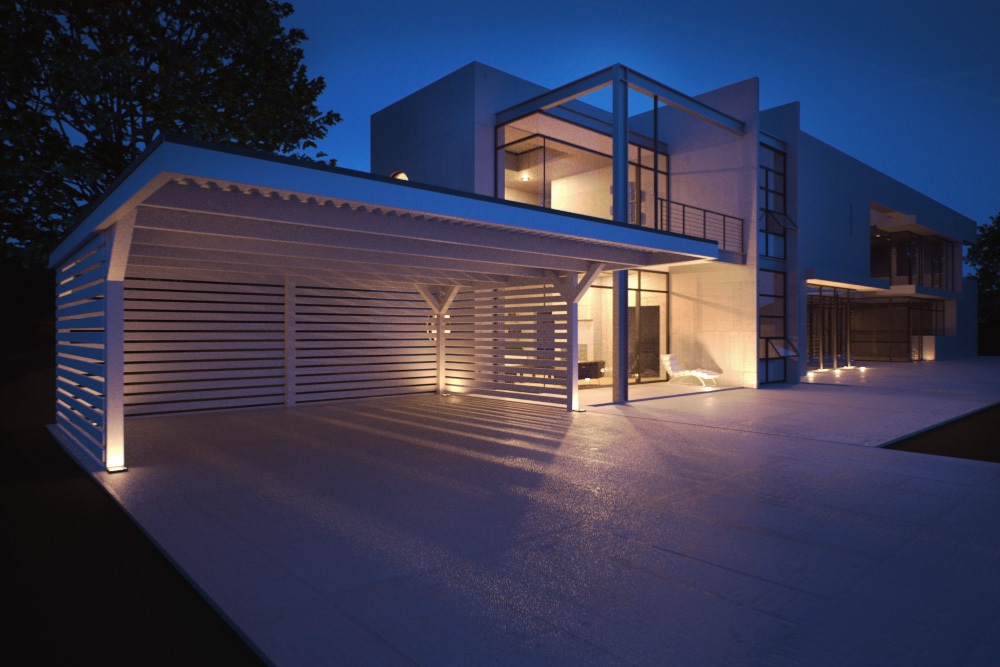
736, 527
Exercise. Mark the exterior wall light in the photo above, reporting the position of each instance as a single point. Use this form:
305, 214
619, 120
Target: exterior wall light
525, 178
400, 176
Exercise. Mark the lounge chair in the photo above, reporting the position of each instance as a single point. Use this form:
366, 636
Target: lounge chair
677, 374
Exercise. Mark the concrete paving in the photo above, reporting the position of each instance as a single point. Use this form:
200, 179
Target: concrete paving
735, 527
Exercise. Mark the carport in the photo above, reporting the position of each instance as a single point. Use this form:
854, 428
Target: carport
211, 278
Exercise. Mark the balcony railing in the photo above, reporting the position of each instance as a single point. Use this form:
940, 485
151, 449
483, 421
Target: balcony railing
694, 221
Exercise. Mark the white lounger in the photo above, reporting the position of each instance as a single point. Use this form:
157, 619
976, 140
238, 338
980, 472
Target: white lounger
677, 374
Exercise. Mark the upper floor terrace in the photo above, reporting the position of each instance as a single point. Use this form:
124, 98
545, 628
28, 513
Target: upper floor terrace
559, 152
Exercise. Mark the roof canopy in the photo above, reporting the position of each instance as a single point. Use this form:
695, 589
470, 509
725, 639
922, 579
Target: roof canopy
211, 210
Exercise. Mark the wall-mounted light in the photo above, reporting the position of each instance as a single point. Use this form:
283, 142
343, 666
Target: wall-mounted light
525, 178
400, 176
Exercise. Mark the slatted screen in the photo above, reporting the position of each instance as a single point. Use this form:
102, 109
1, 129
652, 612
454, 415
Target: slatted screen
509, 342
193, 345
202, 345
352, 343
80, 351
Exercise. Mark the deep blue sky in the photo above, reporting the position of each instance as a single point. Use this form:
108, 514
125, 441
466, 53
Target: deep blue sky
908, 86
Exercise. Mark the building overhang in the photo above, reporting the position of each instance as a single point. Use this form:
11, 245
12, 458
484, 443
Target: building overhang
215, 210
843, 280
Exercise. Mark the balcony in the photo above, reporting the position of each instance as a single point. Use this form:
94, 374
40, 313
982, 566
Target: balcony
699, 222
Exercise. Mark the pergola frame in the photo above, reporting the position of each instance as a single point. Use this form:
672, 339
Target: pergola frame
193, 212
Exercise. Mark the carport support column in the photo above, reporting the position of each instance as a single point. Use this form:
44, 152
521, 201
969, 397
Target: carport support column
441, 374
119, 241
573, 351
619, 321
620, 206
440, 301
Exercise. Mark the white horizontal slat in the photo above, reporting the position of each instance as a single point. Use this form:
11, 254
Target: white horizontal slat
137, 399
92, 382
159, 385
199, 406
87, 322
89, 276
80, 337
132, 336
212, 327
70, 365
202, 345
70, 350
92, 254
318, 338
92, 292
135, 315
177, 286
307, 349
307, 382
232, 374
81, 431
209, 364
303, 372
67, 410
161, 306
369, 310
181, 299
187, 356
95, 307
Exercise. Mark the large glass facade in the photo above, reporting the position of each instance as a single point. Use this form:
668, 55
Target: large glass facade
648, 325
905, 258
828, 330
545, 161
893, 329
773, 346
773, 221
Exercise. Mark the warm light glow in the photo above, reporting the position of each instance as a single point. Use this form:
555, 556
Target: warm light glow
525, 178
836, 372
862, 369
810, 374
400, 176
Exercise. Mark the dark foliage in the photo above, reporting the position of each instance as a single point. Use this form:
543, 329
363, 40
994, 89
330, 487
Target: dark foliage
984, 256
87, 84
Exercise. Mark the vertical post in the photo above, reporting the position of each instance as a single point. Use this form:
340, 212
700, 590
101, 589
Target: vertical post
441, 388
619, 307
847, 305
619, 187
619, 145
290, 335
114, 376
573, 349
656, 162
835, 325
821, 326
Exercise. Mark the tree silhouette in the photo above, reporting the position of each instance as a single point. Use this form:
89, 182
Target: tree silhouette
87, 84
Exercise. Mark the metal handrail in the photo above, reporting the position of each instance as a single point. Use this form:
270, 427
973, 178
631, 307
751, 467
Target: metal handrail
688, 220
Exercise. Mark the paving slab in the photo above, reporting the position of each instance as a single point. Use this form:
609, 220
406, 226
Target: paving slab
696, 529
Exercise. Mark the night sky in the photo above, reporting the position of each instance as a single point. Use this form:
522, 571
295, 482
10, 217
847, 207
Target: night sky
910, 87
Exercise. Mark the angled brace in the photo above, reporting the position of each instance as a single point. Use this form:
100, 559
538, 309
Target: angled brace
573, 293
439, 302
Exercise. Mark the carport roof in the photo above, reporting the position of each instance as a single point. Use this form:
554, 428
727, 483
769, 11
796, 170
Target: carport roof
196, 208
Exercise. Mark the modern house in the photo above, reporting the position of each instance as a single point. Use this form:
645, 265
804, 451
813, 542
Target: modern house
512, 241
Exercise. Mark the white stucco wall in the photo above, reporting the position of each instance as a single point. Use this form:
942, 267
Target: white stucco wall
714, 306
443, 134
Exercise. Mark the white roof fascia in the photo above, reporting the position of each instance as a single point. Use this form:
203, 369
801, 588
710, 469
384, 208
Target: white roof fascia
177, 160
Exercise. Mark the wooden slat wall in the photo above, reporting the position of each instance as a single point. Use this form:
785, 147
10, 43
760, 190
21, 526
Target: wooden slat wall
202, 345
509, 342
352, 343
193, 345
80, 353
